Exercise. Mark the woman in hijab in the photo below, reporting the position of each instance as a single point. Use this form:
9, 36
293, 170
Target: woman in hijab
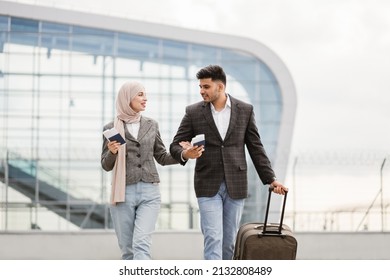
135, 194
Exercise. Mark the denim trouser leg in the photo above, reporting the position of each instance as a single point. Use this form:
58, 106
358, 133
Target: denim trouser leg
220, 219
135, 219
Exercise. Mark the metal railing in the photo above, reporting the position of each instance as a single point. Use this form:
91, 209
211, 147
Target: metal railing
52, 215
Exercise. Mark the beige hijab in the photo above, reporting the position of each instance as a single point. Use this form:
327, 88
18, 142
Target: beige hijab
124, 114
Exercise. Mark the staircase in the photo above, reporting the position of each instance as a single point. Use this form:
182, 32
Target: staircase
20, 174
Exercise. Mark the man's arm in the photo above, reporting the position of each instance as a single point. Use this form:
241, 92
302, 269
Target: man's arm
184, 134
260, 158
257, 152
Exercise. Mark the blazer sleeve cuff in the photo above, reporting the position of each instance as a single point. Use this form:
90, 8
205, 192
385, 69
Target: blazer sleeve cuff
269, 182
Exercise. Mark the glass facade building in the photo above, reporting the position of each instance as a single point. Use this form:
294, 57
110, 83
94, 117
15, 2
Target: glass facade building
58, 83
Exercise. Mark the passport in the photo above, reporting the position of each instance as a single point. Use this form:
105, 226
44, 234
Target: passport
198, 140
114, 135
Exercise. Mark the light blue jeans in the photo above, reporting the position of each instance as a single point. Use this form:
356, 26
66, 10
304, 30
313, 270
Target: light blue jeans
134, 220
220, 218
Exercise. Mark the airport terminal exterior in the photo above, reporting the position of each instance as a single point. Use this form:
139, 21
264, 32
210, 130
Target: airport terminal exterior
60, 71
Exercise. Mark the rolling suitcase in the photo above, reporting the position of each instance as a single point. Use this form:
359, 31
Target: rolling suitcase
262, 241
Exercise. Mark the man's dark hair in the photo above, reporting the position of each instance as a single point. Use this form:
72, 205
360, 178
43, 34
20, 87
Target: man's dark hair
215, 72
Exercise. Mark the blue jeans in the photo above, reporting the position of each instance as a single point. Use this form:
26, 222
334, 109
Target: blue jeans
135, 219
220, 218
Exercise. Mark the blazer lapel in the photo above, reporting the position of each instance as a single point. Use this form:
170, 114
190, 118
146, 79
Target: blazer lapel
128, 135
233, 117
210, 120
144, 127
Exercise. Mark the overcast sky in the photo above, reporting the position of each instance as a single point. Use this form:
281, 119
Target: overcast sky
338, 53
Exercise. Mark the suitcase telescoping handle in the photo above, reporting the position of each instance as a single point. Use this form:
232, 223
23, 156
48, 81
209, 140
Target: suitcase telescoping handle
271, 188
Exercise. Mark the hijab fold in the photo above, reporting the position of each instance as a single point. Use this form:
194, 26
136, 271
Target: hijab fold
124, 114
